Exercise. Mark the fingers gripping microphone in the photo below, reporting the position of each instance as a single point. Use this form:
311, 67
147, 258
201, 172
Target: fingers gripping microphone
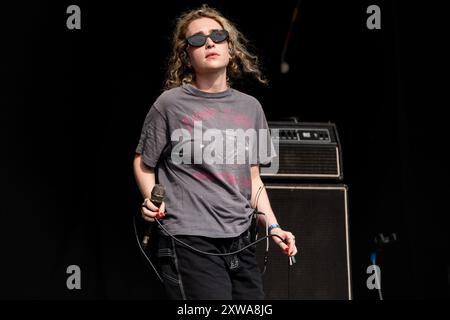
157, 197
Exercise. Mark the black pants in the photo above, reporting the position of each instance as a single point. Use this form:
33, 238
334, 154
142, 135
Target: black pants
189, 275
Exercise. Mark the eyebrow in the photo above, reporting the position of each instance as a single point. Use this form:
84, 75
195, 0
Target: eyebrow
201, 32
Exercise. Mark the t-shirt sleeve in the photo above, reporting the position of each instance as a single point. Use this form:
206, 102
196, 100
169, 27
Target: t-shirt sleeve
153, 137
265, 150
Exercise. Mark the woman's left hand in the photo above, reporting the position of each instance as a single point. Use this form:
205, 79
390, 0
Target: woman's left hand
288, 242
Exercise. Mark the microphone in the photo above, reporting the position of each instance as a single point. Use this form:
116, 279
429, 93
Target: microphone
157, 197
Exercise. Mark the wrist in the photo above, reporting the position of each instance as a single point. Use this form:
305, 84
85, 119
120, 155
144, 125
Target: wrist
273, 226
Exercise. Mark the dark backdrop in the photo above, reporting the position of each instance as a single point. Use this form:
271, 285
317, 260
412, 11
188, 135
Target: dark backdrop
73, 103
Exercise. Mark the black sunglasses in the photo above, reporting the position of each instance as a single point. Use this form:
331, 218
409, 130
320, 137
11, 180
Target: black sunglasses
199, 40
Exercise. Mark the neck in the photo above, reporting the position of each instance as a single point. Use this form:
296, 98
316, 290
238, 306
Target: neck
211, 82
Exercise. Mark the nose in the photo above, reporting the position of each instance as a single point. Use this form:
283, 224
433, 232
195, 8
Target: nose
209, 43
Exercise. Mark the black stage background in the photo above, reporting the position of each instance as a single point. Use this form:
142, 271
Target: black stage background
73, 103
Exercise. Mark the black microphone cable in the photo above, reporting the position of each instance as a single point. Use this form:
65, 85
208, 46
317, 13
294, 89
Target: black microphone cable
143, 251
266, 237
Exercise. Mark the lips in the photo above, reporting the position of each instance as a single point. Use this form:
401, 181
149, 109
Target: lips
212, 54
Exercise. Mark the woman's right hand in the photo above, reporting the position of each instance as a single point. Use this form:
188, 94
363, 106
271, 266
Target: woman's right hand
150, 212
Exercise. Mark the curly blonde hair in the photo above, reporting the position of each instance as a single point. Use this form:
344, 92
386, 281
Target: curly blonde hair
179, 70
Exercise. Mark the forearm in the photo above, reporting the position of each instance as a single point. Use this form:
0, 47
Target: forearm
262, 203
144, 175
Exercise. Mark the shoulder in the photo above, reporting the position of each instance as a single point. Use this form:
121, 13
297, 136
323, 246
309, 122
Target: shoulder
167, 98
247, 98
251, 103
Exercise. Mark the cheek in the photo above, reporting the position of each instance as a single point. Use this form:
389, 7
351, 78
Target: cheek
225, 54
196, 56
226, 58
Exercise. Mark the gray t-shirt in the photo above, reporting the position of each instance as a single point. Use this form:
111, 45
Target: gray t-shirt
194, 138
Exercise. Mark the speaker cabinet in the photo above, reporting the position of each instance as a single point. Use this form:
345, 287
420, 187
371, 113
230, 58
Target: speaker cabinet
306, 150
317, 216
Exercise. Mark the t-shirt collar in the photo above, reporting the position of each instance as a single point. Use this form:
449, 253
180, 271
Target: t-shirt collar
196, 92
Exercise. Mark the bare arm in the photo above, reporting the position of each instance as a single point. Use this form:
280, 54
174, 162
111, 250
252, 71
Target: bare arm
145, 179
262, 203
144, 175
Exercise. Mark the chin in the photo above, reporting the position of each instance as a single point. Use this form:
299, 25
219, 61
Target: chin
214, 67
